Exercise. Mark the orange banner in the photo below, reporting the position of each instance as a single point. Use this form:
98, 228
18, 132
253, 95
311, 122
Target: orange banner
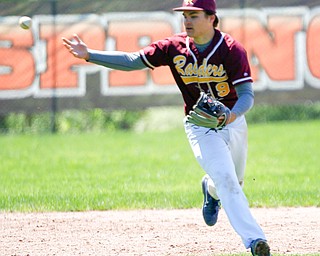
282, 45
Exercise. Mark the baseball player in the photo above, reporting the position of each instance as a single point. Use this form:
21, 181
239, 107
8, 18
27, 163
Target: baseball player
207, 65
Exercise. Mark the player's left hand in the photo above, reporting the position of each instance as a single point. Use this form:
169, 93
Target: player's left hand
209, 113
231, 118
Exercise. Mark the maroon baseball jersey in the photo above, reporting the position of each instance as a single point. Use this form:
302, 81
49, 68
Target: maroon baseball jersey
223, 65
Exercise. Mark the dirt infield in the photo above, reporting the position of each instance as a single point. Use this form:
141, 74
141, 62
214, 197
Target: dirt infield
152, 232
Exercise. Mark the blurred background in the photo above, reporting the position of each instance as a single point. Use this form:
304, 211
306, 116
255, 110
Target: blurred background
31, 7
44, 89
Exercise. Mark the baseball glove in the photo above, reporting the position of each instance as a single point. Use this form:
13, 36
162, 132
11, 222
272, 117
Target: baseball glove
209, 112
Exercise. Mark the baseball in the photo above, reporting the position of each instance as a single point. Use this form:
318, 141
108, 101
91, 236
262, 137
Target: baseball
25, 22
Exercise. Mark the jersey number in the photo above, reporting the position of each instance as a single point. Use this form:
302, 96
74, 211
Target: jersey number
222, 89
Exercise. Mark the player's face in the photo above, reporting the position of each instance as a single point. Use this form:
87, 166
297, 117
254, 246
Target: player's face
198, 25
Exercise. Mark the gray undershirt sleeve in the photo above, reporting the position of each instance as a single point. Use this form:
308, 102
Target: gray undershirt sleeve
245, 99
117, 60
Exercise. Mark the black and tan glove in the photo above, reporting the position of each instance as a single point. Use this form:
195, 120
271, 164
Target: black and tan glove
209, 112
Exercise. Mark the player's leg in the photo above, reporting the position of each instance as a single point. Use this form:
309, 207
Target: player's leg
211, 201
213, 154
211, 187
238, 144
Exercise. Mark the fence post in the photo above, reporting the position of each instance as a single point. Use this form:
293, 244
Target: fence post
54, 75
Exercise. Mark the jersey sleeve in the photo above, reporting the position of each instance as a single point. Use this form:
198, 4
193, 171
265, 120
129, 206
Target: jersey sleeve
156, 54
237, 63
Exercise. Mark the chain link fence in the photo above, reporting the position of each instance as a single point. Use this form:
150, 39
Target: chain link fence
38, 76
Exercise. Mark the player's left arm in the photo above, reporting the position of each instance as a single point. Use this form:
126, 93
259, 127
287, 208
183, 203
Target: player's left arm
245, 101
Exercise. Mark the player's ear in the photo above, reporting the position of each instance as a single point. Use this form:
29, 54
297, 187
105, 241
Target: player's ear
212, 18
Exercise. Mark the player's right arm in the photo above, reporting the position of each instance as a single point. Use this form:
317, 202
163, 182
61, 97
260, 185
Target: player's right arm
111, 59
117, 60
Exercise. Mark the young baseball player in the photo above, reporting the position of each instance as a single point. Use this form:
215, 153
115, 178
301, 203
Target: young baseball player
204, 62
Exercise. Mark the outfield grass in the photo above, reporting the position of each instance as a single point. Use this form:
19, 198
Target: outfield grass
126, 170
283, 164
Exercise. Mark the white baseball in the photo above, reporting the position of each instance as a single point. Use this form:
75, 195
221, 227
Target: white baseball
25, 22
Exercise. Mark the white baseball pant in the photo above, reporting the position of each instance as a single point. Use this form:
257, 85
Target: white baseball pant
222, 154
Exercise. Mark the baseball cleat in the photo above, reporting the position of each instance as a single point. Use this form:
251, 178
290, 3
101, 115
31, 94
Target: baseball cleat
260, 247
211, 206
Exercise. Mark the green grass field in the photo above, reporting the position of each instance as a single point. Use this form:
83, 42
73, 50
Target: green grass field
127, 170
